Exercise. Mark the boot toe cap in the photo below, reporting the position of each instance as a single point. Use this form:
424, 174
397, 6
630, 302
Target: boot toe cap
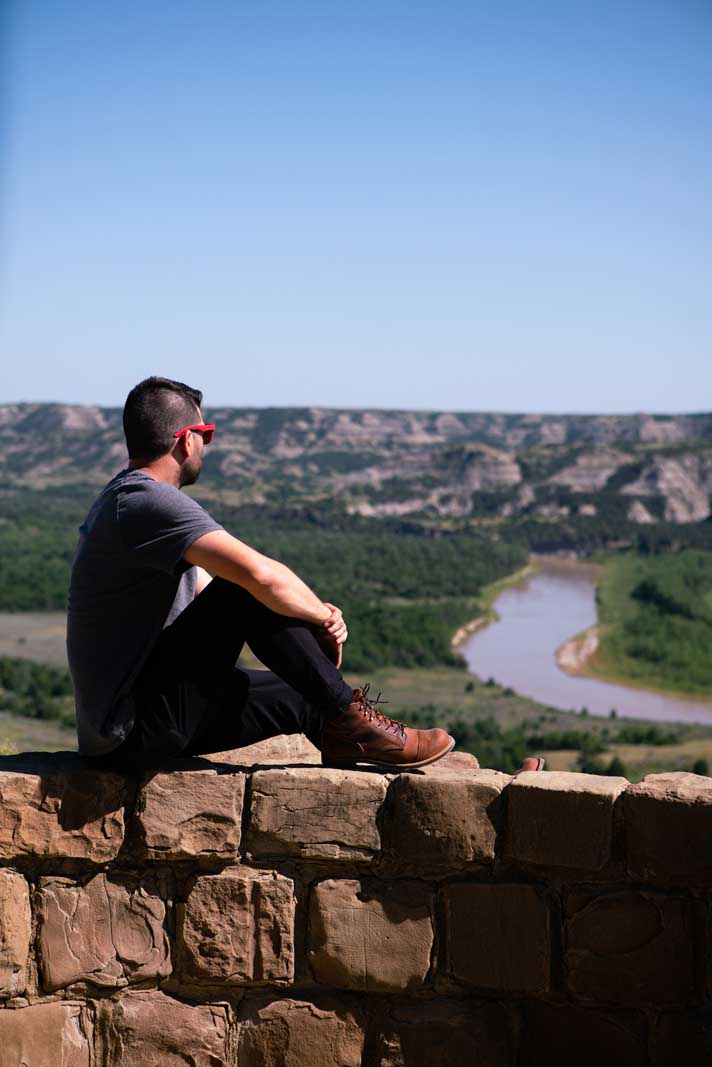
433, 742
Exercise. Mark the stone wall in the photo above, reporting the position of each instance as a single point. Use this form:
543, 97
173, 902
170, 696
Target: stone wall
258, 910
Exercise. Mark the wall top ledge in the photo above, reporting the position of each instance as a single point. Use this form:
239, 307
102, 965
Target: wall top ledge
675, 786
571, 782
297, 754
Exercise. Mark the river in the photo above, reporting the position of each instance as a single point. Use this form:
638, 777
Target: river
536, 617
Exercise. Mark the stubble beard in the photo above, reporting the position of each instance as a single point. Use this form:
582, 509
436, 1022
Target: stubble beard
190, 471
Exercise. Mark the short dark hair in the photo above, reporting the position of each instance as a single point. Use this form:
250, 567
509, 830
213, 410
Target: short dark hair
154, 410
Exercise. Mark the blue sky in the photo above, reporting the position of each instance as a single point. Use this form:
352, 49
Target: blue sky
468, 206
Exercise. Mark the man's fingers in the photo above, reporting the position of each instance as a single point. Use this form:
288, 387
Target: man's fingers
335, 629
335, 616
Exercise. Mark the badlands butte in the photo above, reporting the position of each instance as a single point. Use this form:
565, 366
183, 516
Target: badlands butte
440, 466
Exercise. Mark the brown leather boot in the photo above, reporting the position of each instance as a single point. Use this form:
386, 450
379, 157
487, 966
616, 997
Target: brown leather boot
363, 734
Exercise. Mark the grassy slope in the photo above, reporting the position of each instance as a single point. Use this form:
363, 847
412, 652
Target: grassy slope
664, 644
20, 734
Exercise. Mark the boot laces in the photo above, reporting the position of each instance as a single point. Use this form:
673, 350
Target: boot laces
369, 709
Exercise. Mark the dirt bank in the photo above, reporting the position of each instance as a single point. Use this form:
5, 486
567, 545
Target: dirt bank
471, 627
574, 655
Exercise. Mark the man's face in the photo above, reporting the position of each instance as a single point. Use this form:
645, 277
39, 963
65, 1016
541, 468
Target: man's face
190, 469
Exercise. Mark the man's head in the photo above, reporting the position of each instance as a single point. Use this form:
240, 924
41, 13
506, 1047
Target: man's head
154, 411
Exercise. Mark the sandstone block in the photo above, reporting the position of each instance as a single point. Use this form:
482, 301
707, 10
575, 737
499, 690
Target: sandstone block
315, 813
454, 761
274, 751
76, 814
560, 1036
447, 1034
106, 931
498, 936
684, 1039
370, 936
298, 1033
15, 932
184, 814
153, 1030
237, 928
561, 819
446, 820
46, 1035
668, 828
630, 948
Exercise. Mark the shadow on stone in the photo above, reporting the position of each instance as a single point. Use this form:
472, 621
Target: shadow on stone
72, 786
56, 804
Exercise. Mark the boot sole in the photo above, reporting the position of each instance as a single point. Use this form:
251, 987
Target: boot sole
352, 765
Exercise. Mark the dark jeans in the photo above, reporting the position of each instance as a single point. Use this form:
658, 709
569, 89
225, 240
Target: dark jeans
191, 699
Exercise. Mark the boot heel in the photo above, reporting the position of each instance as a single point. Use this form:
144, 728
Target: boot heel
339, 765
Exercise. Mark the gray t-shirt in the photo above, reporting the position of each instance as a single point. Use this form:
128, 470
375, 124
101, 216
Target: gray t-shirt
128, 581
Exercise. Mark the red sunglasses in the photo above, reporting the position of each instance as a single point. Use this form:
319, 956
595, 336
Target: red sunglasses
206, 428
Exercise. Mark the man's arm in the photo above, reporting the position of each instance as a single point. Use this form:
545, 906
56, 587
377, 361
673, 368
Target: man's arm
269, 581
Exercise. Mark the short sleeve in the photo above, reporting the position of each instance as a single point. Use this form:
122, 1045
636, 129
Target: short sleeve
158, 523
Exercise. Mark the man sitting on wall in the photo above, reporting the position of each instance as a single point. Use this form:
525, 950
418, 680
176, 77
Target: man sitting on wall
153, 640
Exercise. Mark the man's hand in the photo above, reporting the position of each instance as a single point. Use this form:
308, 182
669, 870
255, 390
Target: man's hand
332, 634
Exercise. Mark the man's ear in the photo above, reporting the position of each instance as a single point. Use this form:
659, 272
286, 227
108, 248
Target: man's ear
183, 448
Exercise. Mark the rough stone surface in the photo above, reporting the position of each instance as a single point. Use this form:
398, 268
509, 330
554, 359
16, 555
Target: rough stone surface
682, 1039
566, 1035
184, 814
237, 927
446, 820
446, 1034
106, 932
46, 1035
454, 761
561, 819
49, 813
275, 751
371, 936
425, 950
630, 948
298, 1033
315, 813
153, 1030
668, 820
498, 936
15, 932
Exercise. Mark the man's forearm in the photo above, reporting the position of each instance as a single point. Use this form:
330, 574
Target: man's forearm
284, 592
269, 581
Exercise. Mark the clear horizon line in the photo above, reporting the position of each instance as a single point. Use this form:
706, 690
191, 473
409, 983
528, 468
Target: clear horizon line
641, 412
